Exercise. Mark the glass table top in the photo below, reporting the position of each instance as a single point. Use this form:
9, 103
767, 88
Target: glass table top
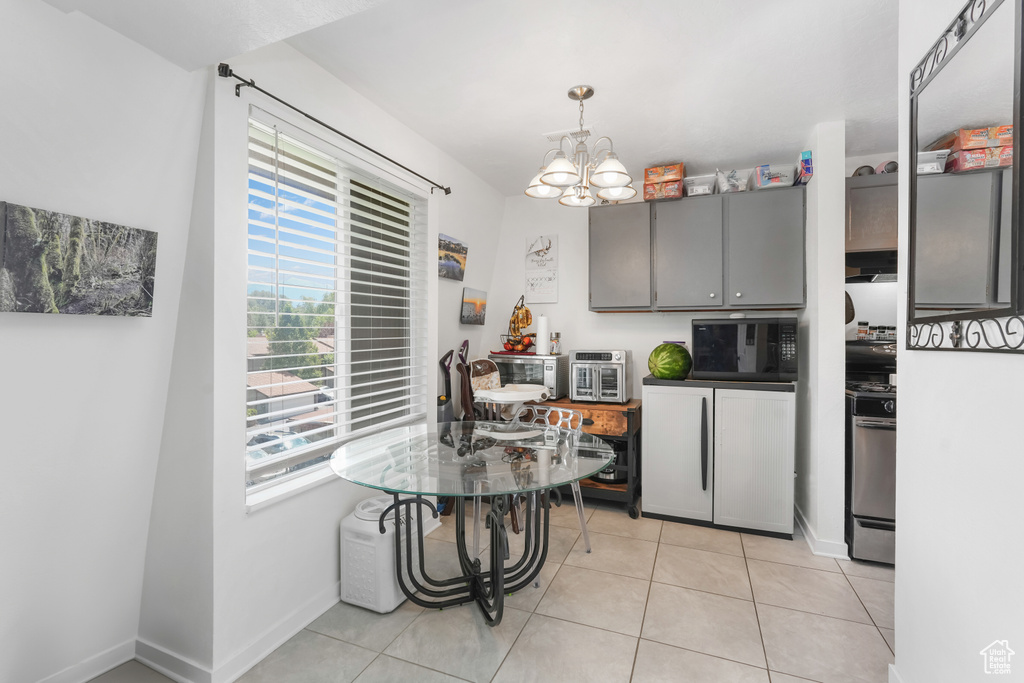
470, 458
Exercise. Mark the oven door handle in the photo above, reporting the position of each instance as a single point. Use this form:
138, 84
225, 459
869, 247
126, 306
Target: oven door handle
875, 424
704, 443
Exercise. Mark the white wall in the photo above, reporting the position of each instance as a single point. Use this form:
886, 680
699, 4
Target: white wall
94, 126
874, 302
271, 571
959, 471
475, 217
820, 447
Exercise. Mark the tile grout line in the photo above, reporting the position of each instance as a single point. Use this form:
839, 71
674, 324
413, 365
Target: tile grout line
870, 616
757, 615
643, 617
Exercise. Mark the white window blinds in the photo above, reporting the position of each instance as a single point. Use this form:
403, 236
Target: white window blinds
336, 302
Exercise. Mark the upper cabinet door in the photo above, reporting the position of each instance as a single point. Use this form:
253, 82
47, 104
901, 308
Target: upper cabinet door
620, 257
688, 253
957, 228
765, 233
871, 208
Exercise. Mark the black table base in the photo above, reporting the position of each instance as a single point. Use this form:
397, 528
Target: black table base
487, 587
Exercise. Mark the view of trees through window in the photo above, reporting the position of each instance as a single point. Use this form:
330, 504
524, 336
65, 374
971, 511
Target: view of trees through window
330, 305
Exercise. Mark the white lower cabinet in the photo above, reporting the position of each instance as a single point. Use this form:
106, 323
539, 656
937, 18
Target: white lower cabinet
719, 455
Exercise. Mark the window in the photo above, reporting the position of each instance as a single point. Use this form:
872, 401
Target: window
336, 286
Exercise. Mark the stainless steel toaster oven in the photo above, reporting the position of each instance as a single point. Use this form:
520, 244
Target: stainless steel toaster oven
601, 376
531, 368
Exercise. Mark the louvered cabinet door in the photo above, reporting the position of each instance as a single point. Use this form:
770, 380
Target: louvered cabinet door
755, 433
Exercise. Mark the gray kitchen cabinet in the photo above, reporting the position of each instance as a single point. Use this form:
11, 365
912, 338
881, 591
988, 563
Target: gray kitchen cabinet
620, 257
732, 251
872, 202
719, 455
958, 220
765, 250
687, 252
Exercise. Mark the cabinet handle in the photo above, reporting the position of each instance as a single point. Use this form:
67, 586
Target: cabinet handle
704, 443
712, 295
739, 294
587, 421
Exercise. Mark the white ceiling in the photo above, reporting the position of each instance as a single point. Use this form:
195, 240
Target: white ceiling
713, 84
197, 33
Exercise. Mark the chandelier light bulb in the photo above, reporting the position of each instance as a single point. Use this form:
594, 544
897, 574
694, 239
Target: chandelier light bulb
539, 190
616, 194
560, 172
610, 173
577, 196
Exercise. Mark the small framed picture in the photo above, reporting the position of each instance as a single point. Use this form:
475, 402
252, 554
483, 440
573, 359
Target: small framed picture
474, 306
451, 257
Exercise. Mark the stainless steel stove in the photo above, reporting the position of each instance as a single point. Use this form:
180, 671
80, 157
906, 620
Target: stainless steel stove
871, 454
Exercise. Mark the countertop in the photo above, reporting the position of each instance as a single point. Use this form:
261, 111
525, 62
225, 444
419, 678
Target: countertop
721, 384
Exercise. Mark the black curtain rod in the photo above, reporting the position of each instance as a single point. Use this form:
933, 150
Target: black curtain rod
224, 71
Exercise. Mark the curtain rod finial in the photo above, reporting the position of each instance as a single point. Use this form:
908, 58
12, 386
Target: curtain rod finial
224, 71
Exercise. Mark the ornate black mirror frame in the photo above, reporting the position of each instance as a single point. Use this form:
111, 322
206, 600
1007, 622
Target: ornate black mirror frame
994, 329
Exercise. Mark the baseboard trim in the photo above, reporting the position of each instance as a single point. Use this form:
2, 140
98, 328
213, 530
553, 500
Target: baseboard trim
894, 675
170, 664
94, 666
836, 549
276, 635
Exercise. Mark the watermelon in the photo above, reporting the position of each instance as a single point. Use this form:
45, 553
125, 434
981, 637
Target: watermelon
670, 361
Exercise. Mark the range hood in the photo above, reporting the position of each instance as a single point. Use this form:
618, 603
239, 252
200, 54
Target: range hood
870, 264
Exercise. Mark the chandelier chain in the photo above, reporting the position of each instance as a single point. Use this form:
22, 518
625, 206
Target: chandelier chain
581, 116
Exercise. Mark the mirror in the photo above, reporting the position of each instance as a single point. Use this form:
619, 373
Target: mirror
963, 212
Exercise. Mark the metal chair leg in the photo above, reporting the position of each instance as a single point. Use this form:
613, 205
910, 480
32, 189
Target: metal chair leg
578, 497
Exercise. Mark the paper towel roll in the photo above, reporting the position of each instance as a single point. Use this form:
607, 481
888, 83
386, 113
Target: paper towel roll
542, 344
543, 466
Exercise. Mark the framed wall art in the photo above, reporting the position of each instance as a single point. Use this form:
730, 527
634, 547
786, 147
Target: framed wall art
474, 306
451, 257
53, 262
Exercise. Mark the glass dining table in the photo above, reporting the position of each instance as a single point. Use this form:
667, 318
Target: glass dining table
515, 466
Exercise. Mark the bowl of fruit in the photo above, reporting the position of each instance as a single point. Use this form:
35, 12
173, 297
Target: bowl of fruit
517, 343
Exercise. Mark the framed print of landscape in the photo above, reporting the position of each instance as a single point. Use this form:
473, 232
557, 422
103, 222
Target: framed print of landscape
53, 262
474, 306
451, 257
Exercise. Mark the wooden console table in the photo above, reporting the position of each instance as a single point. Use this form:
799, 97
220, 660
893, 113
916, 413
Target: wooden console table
619, 425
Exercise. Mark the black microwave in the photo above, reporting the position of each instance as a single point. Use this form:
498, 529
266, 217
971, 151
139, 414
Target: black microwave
746, 349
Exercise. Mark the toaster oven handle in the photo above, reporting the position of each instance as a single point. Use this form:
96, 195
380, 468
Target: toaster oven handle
704, 443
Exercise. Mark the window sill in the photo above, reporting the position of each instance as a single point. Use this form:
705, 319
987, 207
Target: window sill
257, 500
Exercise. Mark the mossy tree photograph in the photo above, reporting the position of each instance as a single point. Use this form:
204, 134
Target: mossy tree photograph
53, 262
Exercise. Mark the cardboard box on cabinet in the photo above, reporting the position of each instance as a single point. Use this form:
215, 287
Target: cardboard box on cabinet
671, 190
664, 174
974, 138
973, 159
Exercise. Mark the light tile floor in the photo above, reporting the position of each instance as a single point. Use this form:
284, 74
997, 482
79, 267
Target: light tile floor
654, 601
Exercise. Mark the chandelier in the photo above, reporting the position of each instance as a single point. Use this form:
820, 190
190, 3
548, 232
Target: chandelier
571, 177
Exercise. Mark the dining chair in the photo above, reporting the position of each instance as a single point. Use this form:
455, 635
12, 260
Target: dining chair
565, 418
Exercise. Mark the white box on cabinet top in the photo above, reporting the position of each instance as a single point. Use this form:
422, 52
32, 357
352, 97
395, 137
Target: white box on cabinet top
719, 455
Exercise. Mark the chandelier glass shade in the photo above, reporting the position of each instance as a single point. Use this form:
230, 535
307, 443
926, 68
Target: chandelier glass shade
571, 176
